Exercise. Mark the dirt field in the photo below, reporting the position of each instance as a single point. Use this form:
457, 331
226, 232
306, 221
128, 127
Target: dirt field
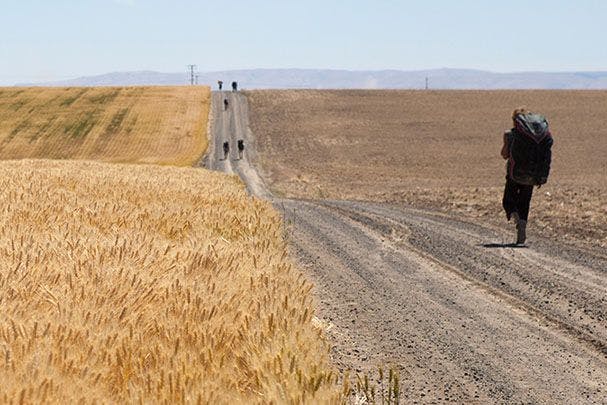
149, 284
436, 149
163, 125
463, 315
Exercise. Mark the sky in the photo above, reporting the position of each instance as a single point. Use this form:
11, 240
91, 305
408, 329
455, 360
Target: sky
42, 40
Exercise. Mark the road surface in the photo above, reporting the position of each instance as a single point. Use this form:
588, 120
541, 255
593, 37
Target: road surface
462, 315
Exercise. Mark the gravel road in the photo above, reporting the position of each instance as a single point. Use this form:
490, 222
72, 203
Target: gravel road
463, 315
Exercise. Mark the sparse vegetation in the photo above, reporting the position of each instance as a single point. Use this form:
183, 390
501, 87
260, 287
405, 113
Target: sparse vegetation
105, 97
18, 128
81, 127
14, 107
435, 149
128, 283
71, 99
162, 125
44, 127
116, 122
383, 388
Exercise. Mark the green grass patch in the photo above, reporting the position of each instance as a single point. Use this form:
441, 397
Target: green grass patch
116, 122
81, 128
130, 126
104, 98
71, 100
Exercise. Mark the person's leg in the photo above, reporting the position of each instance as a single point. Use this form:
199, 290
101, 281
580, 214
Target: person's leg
509, 202
524, 200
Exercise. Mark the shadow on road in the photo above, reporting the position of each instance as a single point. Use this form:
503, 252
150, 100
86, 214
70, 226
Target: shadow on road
503, 245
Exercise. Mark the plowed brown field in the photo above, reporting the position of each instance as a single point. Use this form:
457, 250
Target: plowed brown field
461, 314
436, 149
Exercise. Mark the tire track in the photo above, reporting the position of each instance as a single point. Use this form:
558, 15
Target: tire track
591, 300
462, 322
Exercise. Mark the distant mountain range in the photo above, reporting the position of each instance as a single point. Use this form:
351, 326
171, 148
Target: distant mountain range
346, 79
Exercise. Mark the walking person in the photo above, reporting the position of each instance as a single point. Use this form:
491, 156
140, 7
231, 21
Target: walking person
240, 148
220, 84
226, 104
234, 86
226, 150
528, 150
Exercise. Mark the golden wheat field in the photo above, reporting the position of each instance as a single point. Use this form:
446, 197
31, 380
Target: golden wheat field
144, 283
162, 125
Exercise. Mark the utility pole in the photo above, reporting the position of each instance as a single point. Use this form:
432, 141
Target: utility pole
426, 82
197, 79
191, 69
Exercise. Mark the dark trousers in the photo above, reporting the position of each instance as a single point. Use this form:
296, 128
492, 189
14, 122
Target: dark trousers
517, 198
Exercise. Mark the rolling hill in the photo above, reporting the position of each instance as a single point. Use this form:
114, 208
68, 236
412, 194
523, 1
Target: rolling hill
163, 125
341, 79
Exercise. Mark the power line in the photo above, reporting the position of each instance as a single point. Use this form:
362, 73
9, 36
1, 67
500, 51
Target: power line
191, 69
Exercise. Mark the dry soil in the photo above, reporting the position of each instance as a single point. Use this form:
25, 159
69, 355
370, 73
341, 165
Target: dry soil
436, 149
463, 315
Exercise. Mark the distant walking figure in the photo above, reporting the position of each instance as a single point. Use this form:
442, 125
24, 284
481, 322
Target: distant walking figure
240, 148
226, 150
226, 103
220, 84
234, 86
527, 147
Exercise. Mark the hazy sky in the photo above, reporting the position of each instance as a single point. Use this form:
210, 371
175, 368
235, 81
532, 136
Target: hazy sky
55, 39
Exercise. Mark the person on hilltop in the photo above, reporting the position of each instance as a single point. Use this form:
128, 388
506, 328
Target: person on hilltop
234, 86
528, 150
226, 150
220, 84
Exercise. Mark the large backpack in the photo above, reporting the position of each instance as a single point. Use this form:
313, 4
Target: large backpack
530, 150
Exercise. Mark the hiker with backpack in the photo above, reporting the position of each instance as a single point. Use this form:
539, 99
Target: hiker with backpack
226, 150
240, 148
220, 84
226, 104
234, 86
528, 150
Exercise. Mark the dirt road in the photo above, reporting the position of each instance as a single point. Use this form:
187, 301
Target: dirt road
462, 315
230, 125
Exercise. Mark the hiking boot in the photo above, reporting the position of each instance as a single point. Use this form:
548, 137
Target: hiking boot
521, 231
